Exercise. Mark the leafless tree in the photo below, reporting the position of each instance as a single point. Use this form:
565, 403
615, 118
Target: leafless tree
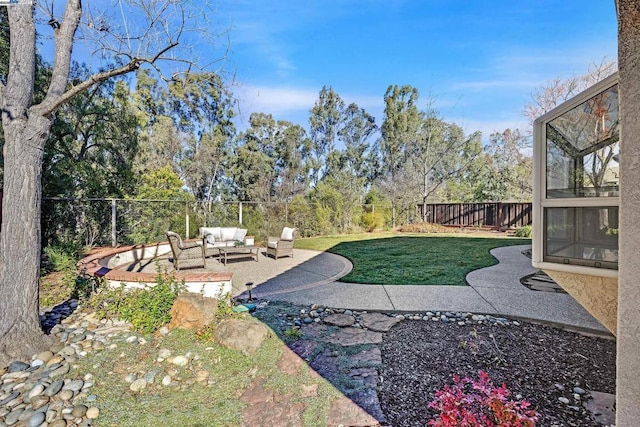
559, 90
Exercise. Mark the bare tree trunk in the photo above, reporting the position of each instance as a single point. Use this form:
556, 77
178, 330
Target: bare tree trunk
20, 332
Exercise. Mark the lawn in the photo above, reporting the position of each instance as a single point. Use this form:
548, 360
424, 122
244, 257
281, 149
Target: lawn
393, 259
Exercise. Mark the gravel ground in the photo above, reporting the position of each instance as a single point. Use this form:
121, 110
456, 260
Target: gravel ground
540, 363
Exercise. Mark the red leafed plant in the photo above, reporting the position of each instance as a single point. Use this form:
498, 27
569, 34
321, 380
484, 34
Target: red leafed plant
470, 403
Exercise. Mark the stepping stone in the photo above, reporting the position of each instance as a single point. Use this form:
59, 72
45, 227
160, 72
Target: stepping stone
342, 320
378, 322
352, 336
368, 400
343, 411
285, 414
256, 393
314, 330
367, 376
325, 364
290, 363
304, 348
371, 356
602, 407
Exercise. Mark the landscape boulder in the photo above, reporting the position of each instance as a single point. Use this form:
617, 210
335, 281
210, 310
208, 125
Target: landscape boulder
192, 311
244, 335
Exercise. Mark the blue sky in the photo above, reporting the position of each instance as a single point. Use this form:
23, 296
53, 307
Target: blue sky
478, 60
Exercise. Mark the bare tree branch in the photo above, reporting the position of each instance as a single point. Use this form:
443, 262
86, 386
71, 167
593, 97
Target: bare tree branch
63, 36
47, 108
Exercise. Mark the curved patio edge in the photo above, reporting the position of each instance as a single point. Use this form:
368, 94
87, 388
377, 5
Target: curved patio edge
494, 290
108, 263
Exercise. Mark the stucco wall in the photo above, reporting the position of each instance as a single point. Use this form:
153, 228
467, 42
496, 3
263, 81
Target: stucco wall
598, 295
628, 343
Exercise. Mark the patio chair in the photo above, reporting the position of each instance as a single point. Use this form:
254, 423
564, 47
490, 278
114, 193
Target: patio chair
283, 245
185, 254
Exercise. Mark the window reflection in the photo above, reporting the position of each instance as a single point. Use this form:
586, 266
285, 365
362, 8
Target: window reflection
583, 149
582, 235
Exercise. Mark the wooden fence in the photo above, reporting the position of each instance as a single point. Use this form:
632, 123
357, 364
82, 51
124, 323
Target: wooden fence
491, 215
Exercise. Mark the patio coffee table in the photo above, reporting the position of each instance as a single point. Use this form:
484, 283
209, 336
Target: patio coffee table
237, 252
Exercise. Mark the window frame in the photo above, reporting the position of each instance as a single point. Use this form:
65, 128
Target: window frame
540, 200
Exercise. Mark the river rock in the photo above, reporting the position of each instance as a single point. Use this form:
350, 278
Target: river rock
93, 413
36, 419
17, 366
74, 385
54, 388
79, 411
138, 385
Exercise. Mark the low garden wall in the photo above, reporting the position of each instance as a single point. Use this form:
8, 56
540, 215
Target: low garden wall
112, 264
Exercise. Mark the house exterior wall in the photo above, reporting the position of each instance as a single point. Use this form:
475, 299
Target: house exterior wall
628, 342
598, 295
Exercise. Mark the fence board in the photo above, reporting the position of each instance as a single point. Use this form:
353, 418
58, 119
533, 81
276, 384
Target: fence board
492, 214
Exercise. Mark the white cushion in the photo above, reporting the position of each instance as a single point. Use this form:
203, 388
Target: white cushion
211, 230
273, 245
210, 238
240, 234
227, 233
287, 233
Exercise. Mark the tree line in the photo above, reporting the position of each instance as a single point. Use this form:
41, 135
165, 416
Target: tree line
142, 138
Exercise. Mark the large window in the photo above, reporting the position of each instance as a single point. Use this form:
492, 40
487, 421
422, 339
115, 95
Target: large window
581, 236
576, 154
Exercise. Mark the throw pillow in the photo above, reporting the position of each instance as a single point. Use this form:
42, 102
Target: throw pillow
227, 233
240, 234
210, 238
287, 233
211, 230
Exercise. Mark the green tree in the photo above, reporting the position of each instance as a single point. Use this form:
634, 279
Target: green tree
325, 122
254, 165
93, 143
512, 171
402, 121
271, 161
162, 208
204, 109
293, 151
443, 153
159, 142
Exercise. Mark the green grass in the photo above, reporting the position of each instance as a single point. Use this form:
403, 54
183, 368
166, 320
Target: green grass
393, 259
186, 402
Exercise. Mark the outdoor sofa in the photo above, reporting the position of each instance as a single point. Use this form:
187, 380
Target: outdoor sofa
214, 238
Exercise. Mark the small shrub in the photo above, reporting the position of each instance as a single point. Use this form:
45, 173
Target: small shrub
372, 221
60, 273
224, 306
62, 256
524, 231
147, 308
292, 334
85, 285
479, 404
